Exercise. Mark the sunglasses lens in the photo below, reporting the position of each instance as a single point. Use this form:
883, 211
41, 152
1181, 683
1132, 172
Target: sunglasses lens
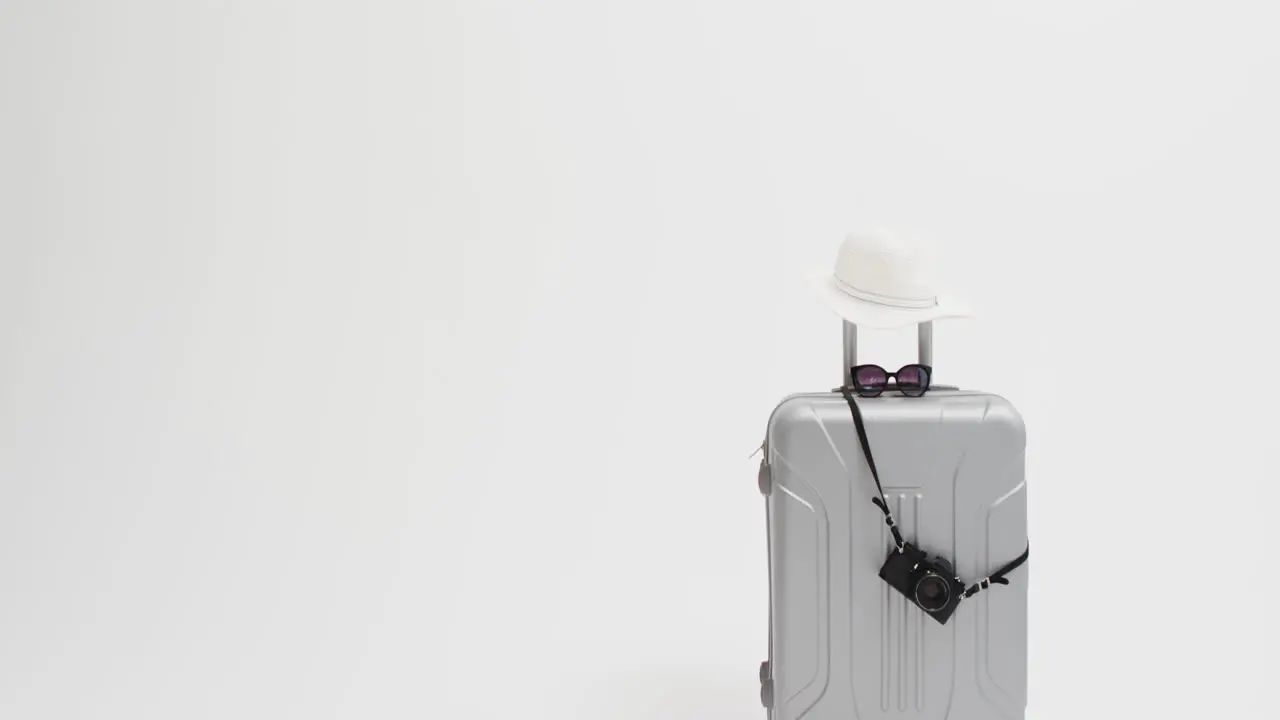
913, 380
870, 379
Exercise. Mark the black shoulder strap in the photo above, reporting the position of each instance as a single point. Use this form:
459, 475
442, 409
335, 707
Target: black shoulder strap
871, 463
998, 577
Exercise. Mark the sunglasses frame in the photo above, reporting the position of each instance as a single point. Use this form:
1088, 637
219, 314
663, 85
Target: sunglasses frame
864, 391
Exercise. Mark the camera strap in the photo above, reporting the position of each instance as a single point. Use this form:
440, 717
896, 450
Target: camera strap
879, 500
996, 578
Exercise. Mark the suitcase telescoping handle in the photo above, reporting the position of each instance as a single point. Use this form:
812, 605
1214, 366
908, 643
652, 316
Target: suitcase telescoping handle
924, 342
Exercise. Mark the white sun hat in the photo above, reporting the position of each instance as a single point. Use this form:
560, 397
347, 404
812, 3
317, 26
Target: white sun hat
884, 280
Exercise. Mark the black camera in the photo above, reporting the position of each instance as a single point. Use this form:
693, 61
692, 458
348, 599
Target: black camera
929, 583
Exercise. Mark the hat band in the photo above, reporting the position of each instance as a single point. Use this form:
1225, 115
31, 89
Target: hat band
890, 300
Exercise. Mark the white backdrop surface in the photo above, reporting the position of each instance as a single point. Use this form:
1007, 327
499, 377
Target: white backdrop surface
402, 360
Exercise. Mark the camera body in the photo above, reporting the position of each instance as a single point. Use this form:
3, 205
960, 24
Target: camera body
930, 583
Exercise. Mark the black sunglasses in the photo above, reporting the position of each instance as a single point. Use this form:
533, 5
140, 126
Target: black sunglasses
871, 380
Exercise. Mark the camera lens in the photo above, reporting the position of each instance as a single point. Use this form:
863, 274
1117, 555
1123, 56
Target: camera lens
933, 592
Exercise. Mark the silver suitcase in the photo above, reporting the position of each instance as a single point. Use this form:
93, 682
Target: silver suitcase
843, 644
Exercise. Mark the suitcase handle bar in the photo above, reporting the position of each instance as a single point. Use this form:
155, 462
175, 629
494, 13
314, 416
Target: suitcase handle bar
924, 346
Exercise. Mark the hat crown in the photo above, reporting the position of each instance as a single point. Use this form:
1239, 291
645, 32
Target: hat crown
888, 266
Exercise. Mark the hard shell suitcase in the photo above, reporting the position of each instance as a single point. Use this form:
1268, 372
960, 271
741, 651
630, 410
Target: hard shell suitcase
843, 644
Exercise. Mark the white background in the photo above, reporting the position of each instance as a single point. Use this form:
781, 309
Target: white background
402, 360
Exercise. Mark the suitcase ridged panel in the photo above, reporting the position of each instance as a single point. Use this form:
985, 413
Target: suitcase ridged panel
803, 655
1001, 678
902, 639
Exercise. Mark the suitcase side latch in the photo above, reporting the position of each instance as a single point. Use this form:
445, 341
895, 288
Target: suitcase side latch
764, 479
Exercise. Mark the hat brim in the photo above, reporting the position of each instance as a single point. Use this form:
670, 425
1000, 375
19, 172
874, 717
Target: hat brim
875, 315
